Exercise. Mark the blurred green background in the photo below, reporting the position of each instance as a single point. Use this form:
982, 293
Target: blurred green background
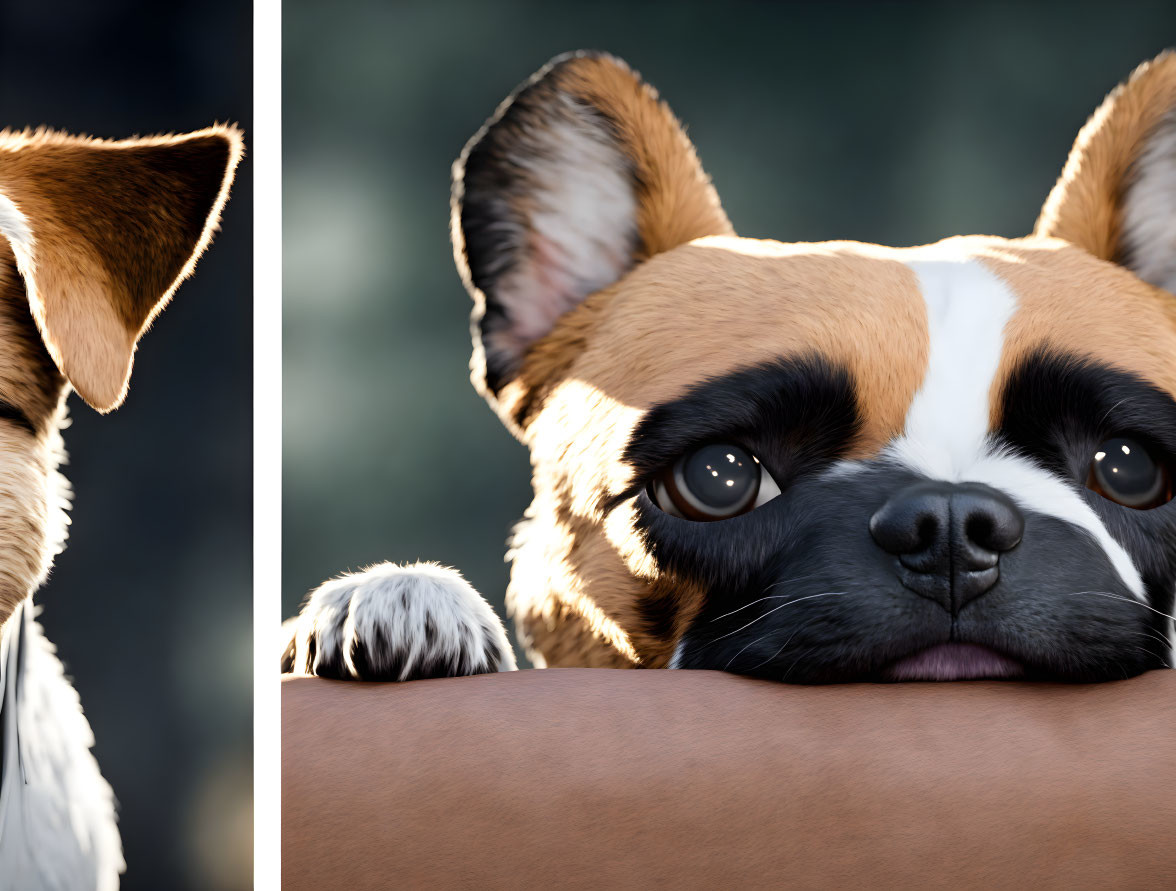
151, 604
885, 122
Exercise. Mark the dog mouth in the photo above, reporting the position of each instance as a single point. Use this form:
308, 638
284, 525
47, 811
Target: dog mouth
954, 662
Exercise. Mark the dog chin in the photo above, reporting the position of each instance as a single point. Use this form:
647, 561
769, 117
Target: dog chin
954, 662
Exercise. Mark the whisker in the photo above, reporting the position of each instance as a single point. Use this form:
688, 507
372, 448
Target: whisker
1107, 413
779, 651
769, 597
778, 608
745, 646
774, 655
1150, 653
1112, 596
796, 663
1154, 636
799, 578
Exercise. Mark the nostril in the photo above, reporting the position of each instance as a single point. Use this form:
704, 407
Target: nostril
978, 529
948, 538
928, 532
990, 520
913, 522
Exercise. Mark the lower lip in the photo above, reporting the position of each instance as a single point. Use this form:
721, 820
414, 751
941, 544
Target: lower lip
954, 662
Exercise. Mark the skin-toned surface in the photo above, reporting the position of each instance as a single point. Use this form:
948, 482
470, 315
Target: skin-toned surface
702, 779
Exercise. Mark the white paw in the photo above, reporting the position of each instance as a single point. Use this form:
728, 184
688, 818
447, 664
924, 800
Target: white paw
397, 623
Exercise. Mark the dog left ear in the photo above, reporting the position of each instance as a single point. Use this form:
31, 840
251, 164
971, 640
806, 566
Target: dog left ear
103, 233
580, 175
1116, 197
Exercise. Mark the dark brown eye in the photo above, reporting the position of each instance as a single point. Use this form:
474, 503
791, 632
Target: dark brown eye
713, 482
1124, 472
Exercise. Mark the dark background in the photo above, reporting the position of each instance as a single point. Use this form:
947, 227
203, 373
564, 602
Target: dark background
881, 122
150, 605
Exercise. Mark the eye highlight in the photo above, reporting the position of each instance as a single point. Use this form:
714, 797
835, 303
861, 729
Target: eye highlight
1123, 471
713, 482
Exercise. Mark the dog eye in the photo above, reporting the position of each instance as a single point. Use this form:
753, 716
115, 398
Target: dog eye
1124, 472
714, 482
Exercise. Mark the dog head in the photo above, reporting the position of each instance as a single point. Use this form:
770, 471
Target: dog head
824, 462
95, 236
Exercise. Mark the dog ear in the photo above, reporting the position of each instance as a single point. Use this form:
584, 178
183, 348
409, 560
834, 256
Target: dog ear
1116, 197
581, 174
103, 233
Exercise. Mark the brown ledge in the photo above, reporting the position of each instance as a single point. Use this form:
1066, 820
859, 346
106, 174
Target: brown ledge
595, 778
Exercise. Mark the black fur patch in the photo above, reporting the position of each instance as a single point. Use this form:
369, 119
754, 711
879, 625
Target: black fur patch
10, 412
794, 415
1057, 409
798, 590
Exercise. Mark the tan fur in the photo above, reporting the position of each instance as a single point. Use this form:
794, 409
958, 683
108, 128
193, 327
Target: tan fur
676, 201
1085, 206
32, 494
116, 227
1072, 303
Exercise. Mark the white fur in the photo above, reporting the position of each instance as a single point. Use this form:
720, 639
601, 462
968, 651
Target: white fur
57, 824
1149, 209
583, 225
15, 227
967, 310
676, 659
387, 607
946, 435
1040, 491
1172, 640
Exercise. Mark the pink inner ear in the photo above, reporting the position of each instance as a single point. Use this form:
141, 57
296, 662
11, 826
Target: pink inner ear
580, 231
549, 293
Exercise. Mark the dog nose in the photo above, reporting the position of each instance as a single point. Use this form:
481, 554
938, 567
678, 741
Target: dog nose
949, 538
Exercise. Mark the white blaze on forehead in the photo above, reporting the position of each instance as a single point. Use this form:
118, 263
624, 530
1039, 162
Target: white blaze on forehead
967, 310
947, 433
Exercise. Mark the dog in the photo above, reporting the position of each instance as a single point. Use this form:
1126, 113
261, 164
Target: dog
814, 463
95, 236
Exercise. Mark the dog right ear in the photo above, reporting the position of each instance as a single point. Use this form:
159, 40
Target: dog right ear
580, 175
103, 233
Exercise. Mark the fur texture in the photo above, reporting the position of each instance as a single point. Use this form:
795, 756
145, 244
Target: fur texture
94, 238
100, 266
399, 623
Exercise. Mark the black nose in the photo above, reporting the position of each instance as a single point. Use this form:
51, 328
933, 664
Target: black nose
948, 538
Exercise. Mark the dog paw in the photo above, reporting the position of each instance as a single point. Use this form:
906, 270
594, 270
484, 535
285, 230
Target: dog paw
397, 623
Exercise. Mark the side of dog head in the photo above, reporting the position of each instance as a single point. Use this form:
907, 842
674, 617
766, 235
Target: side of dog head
95, 236
614, 347
103, 233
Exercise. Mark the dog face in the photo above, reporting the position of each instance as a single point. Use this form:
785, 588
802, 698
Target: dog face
825, 462
96, 236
